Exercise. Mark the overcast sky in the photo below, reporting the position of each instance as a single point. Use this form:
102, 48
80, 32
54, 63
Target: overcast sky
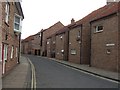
41, 14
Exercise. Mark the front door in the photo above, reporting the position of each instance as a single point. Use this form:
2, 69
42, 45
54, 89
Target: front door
4, 56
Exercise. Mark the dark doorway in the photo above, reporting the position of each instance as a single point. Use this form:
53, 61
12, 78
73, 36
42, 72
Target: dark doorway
39, 52
35, 52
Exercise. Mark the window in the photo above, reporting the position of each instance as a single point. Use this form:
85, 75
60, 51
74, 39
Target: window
78, 34
0, 52
98, 28
7, 10
73, 52
5, 51
17, 23
12, 49
16, 52
48, 42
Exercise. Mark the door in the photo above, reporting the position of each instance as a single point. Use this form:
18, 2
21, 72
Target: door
4, 56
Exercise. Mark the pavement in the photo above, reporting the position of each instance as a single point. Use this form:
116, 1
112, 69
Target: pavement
20, 76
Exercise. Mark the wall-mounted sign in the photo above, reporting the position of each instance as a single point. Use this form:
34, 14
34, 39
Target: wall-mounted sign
109, 45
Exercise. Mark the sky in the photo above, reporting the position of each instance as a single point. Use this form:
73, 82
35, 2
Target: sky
41, 14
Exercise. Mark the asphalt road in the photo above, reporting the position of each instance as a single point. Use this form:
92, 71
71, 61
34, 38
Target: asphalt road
50, 74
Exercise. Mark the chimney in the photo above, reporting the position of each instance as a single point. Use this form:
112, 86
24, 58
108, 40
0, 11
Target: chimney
72, 21
110, 1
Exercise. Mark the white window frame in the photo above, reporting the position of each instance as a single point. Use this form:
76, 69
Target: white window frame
1, 53
20, 24
96, 28
12, 51
5, 51
7, 11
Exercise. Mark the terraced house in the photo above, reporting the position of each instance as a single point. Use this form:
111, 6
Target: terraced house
93, 40
47, 33
31, 45
12, 16
105, 37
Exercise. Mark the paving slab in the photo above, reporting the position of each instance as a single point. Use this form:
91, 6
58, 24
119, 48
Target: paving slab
18, 77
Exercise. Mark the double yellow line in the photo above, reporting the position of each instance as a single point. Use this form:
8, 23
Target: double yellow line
33, 80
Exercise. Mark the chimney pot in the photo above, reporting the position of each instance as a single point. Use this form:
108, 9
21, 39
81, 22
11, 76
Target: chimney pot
72, 21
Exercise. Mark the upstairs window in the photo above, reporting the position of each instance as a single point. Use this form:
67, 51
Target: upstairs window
17, 23
7, 11
98, 28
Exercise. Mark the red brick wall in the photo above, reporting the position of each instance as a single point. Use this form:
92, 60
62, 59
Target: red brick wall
60, 40
0, 31
119, 39
36, 44
85, 48
99, 56
50, 31
74, 45
12, 38
48, 47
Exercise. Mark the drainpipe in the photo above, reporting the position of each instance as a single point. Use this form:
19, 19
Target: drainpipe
90, 45
81, 26
19, 48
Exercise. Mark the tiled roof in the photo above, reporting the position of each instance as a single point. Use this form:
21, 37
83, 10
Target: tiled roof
28, 38
65, 28
97, 14
100, 13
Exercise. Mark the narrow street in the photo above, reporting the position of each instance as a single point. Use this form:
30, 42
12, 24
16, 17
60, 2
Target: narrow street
50, 74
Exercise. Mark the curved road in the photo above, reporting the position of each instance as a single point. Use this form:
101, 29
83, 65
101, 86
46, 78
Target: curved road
50, 74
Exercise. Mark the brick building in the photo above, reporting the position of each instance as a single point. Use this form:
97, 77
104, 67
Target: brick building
47, 33
61, 47
0, 32
94, 40
74, 54
50, 46
31, 45
104, 38
12, 17
27, 45
36, 44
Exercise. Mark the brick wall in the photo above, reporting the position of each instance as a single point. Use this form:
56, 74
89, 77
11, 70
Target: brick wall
60, 40
9, 37
74, 46
119, 38
85, 45
48, 32
36, 44
0, 31
48, 47
99, 56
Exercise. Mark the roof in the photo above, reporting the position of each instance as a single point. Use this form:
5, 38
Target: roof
65, 28
29, 38
100, 13
58, 23
104, 11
